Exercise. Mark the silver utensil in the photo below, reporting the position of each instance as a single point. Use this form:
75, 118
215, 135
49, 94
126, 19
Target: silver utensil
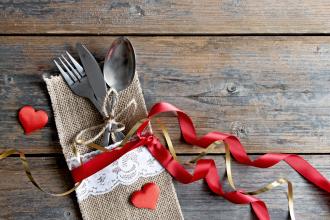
119, 69
119, 64
76, 78
74, 75
93, 72
95, 77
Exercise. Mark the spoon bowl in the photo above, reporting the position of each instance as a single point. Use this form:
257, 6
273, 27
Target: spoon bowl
119, 64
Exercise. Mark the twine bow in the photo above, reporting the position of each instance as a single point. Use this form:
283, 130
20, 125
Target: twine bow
110, 119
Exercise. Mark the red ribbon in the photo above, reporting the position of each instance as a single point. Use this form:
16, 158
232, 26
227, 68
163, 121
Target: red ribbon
205, 168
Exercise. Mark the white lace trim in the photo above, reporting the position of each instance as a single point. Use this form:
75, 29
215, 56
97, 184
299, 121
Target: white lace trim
125, 171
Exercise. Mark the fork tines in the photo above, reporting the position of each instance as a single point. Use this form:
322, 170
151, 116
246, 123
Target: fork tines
70, 73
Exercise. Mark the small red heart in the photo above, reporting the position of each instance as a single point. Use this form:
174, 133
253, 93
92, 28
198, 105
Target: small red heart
147, 197
31, 119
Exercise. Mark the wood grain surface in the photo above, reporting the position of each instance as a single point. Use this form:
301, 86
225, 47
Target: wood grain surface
257, 69
164, 17
20, 200
272, 92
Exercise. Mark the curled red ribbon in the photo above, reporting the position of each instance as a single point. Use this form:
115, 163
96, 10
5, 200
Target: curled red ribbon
205, 168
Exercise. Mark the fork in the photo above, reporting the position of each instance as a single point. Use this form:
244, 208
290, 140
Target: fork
77, 79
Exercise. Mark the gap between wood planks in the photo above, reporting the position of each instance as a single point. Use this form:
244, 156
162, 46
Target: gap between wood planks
167, 34
32, 155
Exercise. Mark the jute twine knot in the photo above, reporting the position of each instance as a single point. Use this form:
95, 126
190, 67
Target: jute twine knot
110, 120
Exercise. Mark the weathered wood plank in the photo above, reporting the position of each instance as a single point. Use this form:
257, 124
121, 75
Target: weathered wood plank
164, 17
20, 200
271, 91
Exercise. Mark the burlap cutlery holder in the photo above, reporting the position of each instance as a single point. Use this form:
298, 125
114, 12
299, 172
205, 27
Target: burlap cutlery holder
72, 114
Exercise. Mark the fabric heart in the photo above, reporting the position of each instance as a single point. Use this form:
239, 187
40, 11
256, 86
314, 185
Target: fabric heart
31, 119
147, 197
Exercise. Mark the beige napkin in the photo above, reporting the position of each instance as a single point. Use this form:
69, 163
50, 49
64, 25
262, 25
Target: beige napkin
72, 114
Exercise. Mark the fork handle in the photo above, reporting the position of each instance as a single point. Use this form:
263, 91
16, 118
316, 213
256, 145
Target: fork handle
117, 136
112, 137
106, 136
109, 139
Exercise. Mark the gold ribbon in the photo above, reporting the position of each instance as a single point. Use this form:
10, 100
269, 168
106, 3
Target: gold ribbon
28, 173
110, 118
171, 148
123, 142
167, 139
27, 169
264, 189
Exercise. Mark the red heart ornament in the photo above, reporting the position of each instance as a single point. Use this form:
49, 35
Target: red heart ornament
31, 119
147, 197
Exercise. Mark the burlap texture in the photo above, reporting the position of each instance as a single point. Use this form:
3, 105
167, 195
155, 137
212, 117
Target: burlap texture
116, 204
72, 114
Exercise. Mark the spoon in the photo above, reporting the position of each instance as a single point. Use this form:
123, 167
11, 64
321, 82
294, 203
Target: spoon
119, 71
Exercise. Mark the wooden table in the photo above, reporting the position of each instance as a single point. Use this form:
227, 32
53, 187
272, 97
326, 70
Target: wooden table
258, 69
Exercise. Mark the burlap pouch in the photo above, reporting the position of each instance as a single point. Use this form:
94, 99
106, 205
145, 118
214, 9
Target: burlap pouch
72, 114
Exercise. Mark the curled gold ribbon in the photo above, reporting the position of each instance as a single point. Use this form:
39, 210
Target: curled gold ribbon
264, 189
205, 152
28, 173
268, 187
171, 148
167, 139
